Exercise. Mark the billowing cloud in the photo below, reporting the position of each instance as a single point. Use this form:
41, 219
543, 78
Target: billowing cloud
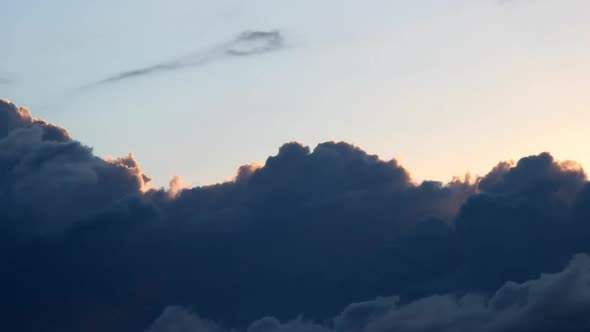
14, 117
87, 247
48, 181
552, 302
248, 43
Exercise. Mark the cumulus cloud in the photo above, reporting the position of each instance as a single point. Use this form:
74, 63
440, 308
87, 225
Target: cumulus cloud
14, 117
552, 302
178, 319
88, 247
176, 185
248, 43
48, 181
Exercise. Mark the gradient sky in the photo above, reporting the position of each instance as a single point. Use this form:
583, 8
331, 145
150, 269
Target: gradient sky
456, 83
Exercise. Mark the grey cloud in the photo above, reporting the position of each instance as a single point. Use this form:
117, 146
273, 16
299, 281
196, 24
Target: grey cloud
552, 302
48, 180
14, 117
555, 302
178, 319
248, 43
255, 42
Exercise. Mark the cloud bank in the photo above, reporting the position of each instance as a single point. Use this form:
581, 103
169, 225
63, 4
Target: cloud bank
248, 43
87, 246
551, 302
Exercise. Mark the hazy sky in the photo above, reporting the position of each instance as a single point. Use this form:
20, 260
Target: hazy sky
456, 84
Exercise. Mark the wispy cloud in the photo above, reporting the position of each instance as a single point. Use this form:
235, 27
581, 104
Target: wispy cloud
248, 43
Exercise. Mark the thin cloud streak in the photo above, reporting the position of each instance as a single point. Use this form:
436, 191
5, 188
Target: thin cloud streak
248, 43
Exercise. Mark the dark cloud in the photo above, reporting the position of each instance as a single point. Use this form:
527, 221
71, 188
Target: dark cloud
48, 181
552, 302
15, 117
248, 43
87, 247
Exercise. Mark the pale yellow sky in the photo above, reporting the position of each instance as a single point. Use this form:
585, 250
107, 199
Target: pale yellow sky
446, 86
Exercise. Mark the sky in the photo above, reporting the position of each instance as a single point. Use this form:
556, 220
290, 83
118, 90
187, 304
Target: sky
264, 166
426, 82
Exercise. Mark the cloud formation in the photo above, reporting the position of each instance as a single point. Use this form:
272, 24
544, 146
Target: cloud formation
552, 302
248, 43
88, 247
15, 117
46, 176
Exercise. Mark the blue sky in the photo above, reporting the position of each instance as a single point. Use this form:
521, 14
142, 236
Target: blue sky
457, 84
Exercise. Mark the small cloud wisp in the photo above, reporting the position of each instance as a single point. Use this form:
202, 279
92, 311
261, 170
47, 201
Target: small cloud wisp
248, 43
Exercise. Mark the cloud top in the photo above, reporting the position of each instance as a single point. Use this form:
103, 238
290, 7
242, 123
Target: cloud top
89, 247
